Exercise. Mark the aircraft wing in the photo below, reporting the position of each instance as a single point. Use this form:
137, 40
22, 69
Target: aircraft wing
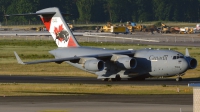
60, 60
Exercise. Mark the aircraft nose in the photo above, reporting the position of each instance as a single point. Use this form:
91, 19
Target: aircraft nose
184, 64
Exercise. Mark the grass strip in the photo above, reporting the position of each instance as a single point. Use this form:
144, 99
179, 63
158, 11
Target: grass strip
28, 89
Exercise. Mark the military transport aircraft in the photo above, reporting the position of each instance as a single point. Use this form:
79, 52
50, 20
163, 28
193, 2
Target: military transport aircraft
105, 63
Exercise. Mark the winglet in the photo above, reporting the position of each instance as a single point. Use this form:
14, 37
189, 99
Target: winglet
18, 59
187, 52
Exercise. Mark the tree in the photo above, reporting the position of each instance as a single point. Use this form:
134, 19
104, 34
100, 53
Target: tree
119, 10
85, 9
22, 6
98, 13
3, 8
144, 10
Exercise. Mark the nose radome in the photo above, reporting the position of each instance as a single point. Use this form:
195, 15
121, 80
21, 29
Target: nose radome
184, 65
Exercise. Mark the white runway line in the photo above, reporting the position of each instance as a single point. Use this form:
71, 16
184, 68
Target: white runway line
123, 38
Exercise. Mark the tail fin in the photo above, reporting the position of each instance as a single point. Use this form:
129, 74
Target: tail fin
57, 27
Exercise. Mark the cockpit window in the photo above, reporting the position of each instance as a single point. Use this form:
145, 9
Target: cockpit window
181, 56
174, 57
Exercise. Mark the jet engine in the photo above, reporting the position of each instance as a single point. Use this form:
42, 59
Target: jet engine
92, 64
124, 61
192, 62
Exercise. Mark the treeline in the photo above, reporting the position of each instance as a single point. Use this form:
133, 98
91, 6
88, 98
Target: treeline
107, 10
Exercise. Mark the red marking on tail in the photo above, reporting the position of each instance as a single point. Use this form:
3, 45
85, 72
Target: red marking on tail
71, 42
59, 29
47, 22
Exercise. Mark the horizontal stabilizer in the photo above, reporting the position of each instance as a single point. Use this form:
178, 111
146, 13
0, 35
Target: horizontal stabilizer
27, 14
42, 13
18, 58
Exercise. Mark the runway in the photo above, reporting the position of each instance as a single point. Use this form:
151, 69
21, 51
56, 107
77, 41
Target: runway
145, 38
94, 102
98, 103
90, 80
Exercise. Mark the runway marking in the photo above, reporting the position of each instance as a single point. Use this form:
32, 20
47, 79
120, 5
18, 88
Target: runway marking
124, 38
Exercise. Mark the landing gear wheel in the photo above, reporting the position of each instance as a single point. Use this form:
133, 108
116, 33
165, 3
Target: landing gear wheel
118, 78
106, 79
113, 79
179, 79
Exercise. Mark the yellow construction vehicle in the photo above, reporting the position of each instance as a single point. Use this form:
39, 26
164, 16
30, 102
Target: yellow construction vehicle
41, 28
106, 28
165, 28
188, 30
113, 28
118, 29
130, 26
134, 27
71, 26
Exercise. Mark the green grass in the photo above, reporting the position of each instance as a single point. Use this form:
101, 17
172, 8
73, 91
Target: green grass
15, 89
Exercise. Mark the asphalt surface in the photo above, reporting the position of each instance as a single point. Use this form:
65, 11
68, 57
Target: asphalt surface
97, 103
147, 38
143, 37
91, 80
94, 102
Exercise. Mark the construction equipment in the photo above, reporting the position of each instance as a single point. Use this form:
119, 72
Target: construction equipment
134, 27
198, 27
118, 29
106, 28
41, 28
150, 28
113, 28
71, 26
188, 30
174, 29
130, 26
165, 28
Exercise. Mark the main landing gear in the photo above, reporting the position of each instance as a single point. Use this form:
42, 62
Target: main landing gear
179, 78
117, 78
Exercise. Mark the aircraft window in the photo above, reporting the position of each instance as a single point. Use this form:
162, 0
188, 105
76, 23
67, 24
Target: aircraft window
181, 57
174, 57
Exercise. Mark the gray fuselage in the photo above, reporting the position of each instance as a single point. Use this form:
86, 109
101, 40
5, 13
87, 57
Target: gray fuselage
149, 62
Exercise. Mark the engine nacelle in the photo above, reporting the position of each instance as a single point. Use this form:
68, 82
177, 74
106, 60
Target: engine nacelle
124, 61
92, 64
192, 62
